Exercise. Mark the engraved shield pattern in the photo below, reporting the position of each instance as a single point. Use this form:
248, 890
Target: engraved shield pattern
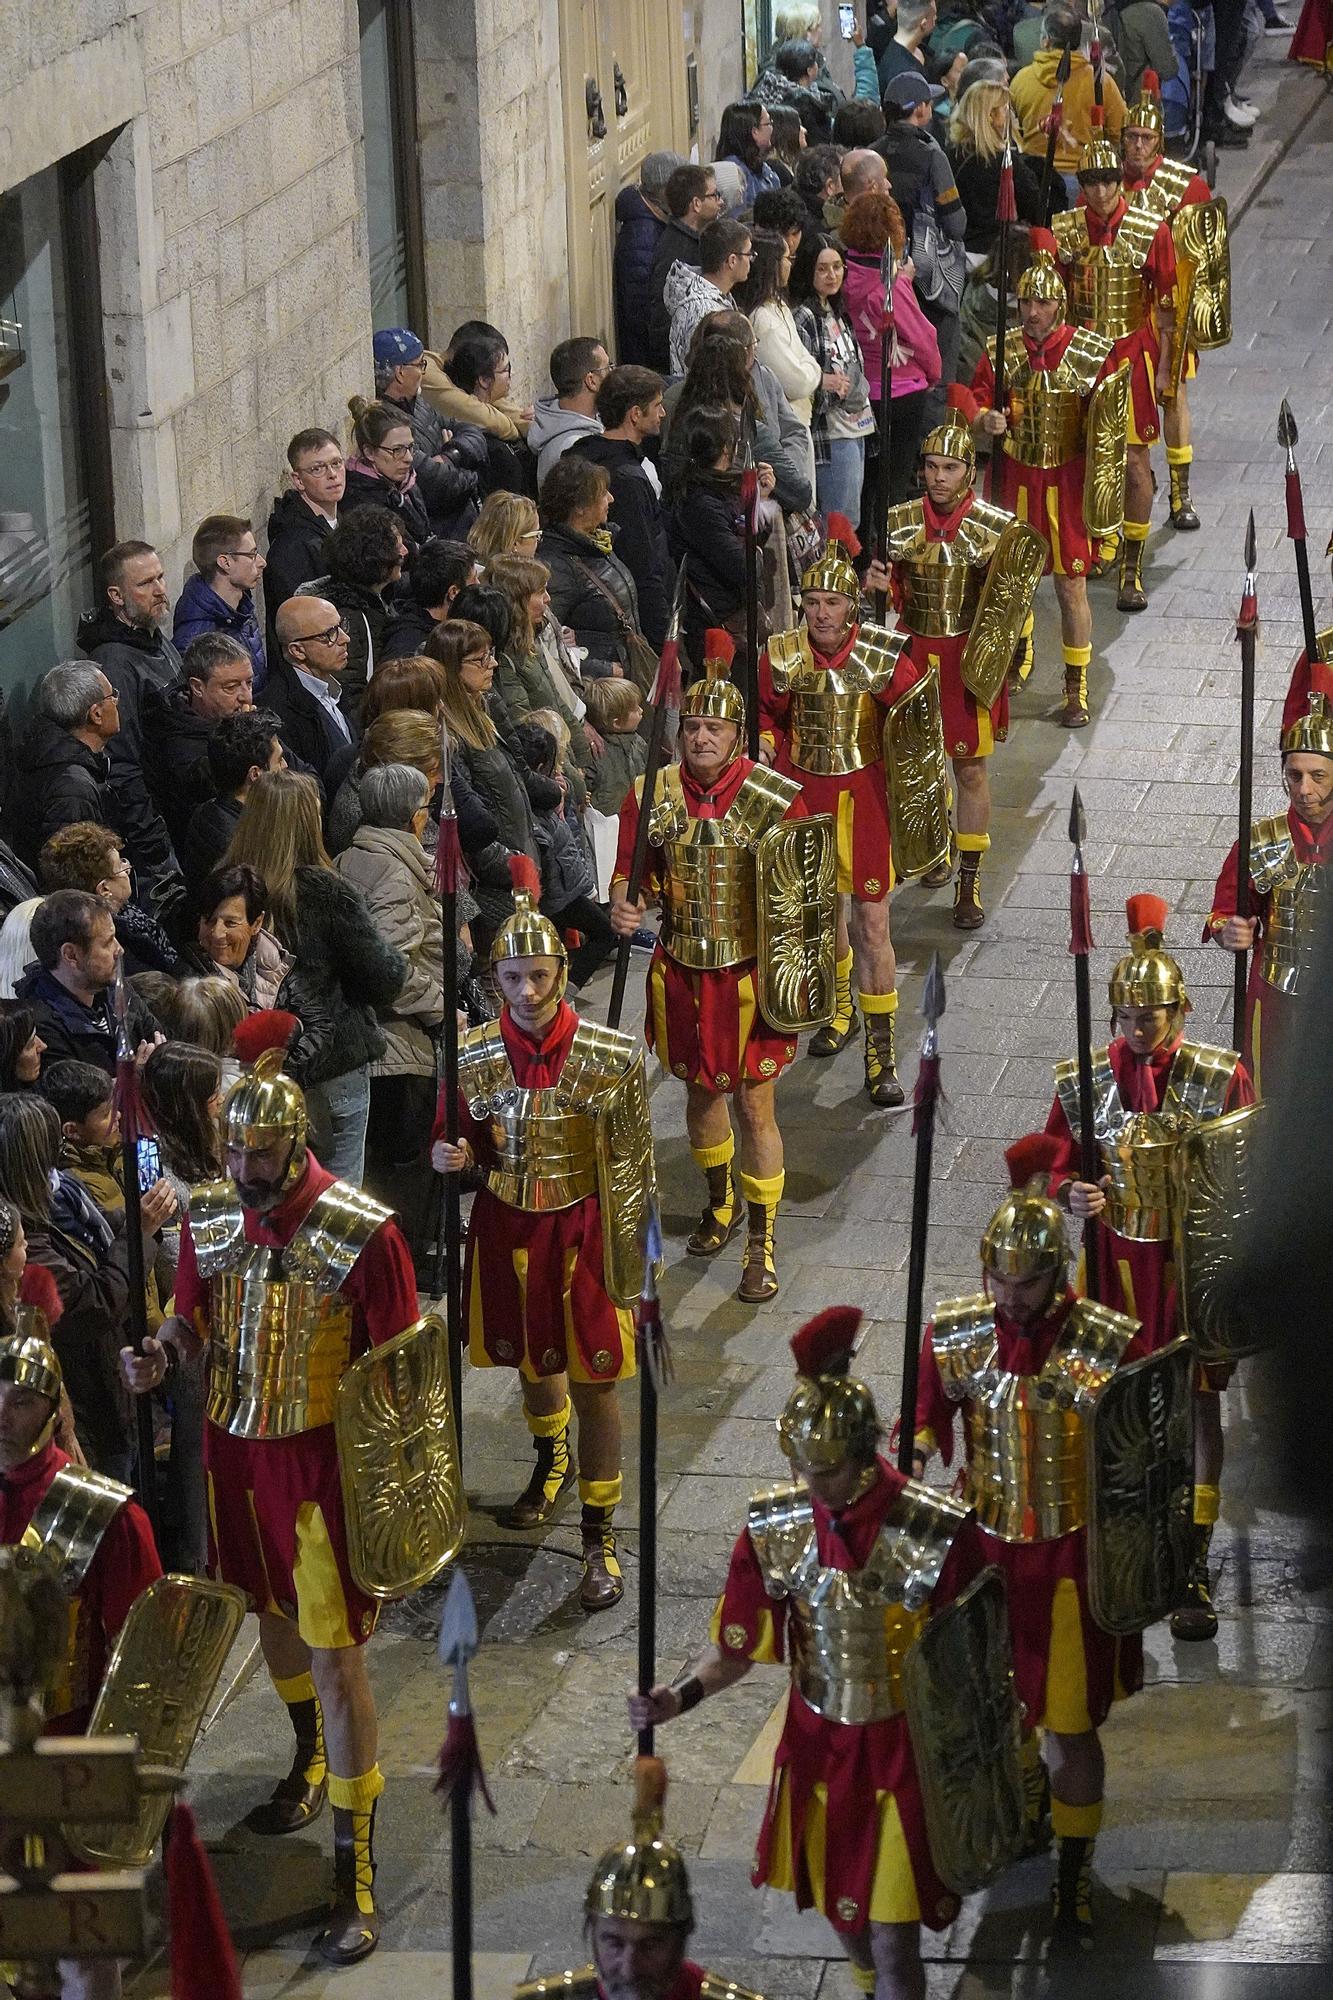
1006, 599
1141, 1491
626, 1181
1107, 442
917, 771
1214, 1166
1202, 241
963, 1717
795, 889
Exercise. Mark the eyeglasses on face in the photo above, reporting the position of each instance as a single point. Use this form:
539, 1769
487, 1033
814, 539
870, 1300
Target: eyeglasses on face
401, 451
329, 638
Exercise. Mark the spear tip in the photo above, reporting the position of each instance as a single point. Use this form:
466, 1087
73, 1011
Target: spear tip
1287, 433
1078, 821
458, 1622
1250, 546
934, 999
652, 1237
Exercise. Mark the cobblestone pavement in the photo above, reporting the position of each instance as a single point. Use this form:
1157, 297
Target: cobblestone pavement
1214, 1862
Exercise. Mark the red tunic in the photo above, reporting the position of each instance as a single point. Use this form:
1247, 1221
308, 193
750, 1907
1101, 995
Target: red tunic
1313, 40
845, 1826
969, 730
275, 1504
1267, 1011
705, 1027
1049, 499
1133, 1277
857, 801
534, 1282
1067, 1670
1197, 191
1142, 348
125, 1564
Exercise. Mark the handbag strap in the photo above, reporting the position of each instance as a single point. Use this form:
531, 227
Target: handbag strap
621, 620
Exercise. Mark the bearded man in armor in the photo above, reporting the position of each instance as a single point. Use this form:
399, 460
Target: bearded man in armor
554, 1111
287, 1276
744, 962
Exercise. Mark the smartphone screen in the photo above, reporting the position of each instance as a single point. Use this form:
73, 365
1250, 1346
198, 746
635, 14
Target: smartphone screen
150, 1163
846, 22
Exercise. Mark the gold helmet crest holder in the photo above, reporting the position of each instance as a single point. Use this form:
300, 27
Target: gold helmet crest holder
1026, 1236
646, 1879
829, 1416
1147, 976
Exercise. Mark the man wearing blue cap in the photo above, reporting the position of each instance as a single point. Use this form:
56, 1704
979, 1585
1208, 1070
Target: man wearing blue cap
449, 464
923, 184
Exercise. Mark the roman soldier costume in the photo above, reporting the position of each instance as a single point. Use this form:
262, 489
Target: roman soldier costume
1028, 1393
859, 729
558, 1126
744, 963
963, 584
1312, 42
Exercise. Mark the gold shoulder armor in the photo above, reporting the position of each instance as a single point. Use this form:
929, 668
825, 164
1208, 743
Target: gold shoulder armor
1070, 230
1200, 1079
326, 1246
714, 1987
483, 1065
669, 810
1104, 1090
1086, 356
964, 1344
874, 658
987, 518
559, 1985
905, 529
1087, 1355
787, 653
1172, 177
217, 1225
1134, 238
761, 802
914, 1543
597, 1059
780, 1523
71, 1518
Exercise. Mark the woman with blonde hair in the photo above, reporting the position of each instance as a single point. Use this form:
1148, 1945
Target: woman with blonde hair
529, 674
343, 969
977, 133
508, 525
398, 736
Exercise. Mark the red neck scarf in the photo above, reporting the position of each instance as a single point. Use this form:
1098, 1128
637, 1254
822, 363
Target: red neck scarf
943, 527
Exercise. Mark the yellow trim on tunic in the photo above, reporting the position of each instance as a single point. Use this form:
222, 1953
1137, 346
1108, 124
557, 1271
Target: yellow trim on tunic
893, 1897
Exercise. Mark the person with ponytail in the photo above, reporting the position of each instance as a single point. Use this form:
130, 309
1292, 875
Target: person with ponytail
381, 471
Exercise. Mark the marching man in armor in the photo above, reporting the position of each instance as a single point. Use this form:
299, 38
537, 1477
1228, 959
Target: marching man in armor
1288, 856
1120, 268
824, 688
1175, 194
640, 1914
1064, 430
1150, 1086
1022, 1363
744, 962
964, 576
839, 1577
288, 1275
554, 1111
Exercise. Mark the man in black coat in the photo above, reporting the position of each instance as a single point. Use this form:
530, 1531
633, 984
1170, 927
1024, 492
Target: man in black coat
217, 680
692, 202
629, 405
641, 216
69, 988
302, 521
448, 463
303, 685
440, 569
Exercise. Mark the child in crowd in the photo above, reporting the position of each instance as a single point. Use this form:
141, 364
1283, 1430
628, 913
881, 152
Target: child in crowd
89, 1210
615, 709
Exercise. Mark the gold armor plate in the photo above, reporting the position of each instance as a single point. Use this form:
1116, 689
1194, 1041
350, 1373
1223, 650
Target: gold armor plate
70, 1519
1297, 890
708, 891
1214, 1171
159, 1682
1141, 1491
1202, 241
916, 768
1106, 448
402, 1484
796, 879
963, 1719
1016, 568
626, 1180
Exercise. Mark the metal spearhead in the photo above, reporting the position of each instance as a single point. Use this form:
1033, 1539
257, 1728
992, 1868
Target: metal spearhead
677, 619
934, 999
652, 1252
1078, 827
1287, 434
459, 1637
1250, 547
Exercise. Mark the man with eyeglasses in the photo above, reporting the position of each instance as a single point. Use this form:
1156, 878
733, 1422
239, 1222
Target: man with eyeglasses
220, 596
578, 369
448, 462
303, 687
692, 202
302, 520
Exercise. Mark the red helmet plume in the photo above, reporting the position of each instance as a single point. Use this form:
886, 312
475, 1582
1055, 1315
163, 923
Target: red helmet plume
271, 1029
719, 645
524, 878
1036, 1153
825, 1344
1147, 913
840, 530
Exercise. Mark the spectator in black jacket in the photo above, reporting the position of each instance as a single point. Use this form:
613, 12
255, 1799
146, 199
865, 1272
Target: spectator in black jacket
692, 202
381, 471
365, 555
448, 463
304, 686
976, 150
69, 987
302, 520
217, 680
705, 523
629, 404
641, 215
439, 571
63, 773
240, 749
88, 857
591, 590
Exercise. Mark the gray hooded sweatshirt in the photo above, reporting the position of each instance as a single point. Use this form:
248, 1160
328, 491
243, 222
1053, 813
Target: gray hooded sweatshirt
553, 430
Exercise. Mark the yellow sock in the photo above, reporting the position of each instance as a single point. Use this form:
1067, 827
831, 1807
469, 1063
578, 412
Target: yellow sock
863, 1976
1207, 1504
1075, 1822
714, 1162
299, 1688
549, 1427
878, 1003
356, 1794
763, 1188
602, 1492
974, 843
720, 1155
842, 994
1180, 454
1137, 531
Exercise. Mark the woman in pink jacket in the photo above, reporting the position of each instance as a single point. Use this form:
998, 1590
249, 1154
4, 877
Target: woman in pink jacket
872, 221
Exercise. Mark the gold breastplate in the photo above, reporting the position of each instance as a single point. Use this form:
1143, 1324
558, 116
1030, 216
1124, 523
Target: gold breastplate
280, 1334
1296, 889
1026, 1435
1047, 407
940, 582
545, 1140
851, 1629
1137, 1148
834, 720
1107, 291
709, 892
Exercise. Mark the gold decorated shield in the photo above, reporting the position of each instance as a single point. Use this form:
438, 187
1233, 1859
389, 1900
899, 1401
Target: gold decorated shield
1203, 265
1213, 1170
402, 1483
1141, 1491
916, 770
1002, 609
160, 1680
796, 881
1106, 446
963, 1719
626, 1180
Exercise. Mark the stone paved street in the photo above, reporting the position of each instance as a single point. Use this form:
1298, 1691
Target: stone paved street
1215, 1853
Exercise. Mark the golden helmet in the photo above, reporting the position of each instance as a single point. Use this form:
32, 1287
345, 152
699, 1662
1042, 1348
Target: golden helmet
1026, 1235
645, 1879
263, 1106
28, 1360
952, 438
1145, 114
1042, 279
1100, 156
1147, 976
830, 1416
716, 694
527, 933
1311, 732
832, 567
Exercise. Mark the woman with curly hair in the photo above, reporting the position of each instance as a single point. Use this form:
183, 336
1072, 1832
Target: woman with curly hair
872, 223
508, 525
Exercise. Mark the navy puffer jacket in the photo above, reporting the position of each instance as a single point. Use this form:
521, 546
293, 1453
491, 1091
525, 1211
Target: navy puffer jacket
638, 233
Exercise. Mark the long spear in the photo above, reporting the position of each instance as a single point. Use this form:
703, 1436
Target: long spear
1289, 437
1006, 211
1247, 631
925, 1105
461, 1773
750, 526
654, 1369
1095, 58
133, 1126
1054, 120
1080, 945
888, 271
666, 695
449, 1250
